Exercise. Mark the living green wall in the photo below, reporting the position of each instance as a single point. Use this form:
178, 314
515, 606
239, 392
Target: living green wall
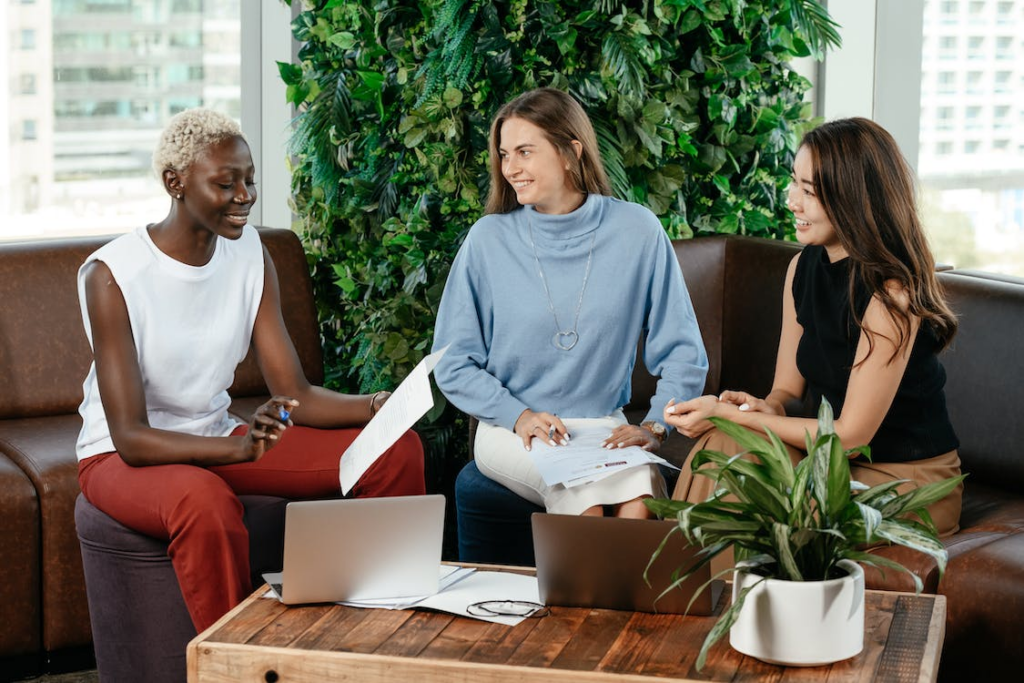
697, 109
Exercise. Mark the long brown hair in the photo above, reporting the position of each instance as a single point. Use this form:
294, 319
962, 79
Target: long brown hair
563, 121
866, 187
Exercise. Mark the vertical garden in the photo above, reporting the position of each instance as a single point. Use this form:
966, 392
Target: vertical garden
697, 108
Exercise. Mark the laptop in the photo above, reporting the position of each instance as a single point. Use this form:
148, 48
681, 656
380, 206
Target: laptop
361, 549
600, 562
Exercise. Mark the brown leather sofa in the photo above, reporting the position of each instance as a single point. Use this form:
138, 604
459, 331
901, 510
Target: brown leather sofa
44, 357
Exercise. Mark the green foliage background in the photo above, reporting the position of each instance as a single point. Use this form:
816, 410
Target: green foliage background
697, 110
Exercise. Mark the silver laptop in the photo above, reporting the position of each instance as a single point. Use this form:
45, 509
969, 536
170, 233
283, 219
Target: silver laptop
361, 549
600, 562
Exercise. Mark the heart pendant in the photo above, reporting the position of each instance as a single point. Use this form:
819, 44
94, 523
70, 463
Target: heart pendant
566, 340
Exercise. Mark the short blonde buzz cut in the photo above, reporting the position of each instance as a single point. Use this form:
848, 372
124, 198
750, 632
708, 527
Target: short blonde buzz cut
187, 135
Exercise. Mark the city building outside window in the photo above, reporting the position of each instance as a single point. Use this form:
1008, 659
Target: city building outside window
971, 159
104, 77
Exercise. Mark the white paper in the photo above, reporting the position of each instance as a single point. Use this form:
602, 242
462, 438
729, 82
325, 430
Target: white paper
448, 576
483, 586
584, 460
408, 403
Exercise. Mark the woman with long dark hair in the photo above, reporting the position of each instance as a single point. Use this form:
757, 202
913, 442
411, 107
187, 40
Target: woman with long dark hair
863, 322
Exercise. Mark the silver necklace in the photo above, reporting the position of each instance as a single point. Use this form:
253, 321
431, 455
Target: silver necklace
563, 339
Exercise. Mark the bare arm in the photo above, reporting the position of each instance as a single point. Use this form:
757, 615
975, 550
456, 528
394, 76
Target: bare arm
124, 400
279, 362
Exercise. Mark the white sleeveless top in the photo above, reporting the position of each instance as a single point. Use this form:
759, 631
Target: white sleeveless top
192, 327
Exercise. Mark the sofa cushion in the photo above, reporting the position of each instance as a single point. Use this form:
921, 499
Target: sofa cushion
44, 449
985, 599
19, 556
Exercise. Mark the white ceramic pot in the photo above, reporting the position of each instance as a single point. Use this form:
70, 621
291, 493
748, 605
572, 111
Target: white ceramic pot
801, 623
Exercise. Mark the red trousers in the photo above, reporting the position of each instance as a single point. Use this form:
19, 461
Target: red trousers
196, 509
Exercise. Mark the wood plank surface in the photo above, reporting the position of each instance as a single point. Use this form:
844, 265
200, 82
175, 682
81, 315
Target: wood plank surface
263, 640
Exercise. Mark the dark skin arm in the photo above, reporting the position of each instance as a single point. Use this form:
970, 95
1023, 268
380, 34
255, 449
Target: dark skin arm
124, 401
275, 353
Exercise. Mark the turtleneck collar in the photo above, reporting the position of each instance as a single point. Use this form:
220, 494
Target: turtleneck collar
582, 221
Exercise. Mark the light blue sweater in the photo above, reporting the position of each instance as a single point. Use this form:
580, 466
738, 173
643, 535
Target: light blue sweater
494, 314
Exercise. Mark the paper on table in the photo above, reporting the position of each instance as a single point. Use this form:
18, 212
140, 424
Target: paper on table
584, 460
408, 403
450, 576
482, 586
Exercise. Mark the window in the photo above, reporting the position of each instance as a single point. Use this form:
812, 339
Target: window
947, 82
975, 47
1004, 47
972, 150
28, 84
974, 79
115, 72
950, 7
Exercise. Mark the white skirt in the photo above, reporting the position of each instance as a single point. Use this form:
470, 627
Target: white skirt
500, 455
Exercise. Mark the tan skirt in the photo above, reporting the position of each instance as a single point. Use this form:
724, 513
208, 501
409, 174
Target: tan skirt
945, 513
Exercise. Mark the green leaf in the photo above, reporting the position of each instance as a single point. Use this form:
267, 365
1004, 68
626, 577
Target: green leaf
343, 39
921, 497
724, 623
781, 535
291, 74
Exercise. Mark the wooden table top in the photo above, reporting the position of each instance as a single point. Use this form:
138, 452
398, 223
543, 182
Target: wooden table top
263, 640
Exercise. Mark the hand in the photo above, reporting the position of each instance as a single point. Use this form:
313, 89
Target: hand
691, 417
747, 403
266, 426
544, 426
632, 435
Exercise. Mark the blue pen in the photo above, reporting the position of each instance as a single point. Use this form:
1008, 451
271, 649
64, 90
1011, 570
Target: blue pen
283, 413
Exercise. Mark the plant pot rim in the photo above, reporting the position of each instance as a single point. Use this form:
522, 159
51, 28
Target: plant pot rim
852, 569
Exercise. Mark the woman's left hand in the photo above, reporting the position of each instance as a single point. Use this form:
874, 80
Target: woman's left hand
632, 435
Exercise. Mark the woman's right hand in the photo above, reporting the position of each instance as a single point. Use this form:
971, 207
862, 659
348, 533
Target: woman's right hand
266, 426
531, 425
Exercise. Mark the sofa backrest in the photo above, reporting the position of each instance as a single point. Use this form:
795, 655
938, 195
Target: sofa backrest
44, 353
985, 375
735, 284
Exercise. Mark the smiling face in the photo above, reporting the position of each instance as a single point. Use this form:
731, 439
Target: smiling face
535, 169
218, 189
812, 223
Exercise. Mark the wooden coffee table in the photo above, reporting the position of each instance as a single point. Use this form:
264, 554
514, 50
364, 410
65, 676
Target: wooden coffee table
263, 640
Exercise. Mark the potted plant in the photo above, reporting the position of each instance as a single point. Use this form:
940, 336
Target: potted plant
797, 534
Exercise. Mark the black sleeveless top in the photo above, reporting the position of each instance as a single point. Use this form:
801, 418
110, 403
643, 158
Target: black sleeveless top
917, 425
